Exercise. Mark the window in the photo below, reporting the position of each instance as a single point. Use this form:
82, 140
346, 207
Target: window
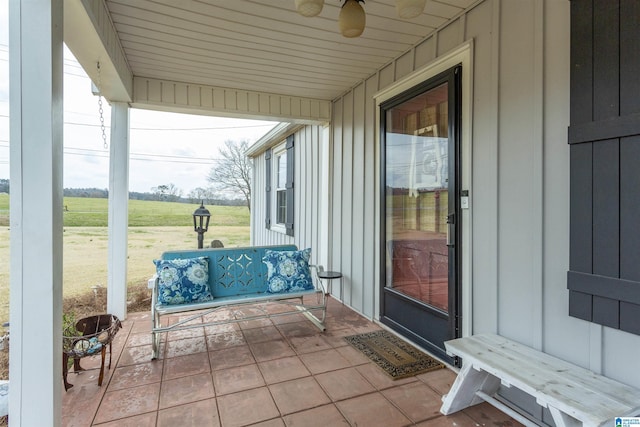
281, 185
279, 177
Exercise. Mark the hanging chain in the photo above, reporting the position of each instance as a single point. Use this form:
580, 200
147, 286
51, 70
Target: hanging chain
101, 110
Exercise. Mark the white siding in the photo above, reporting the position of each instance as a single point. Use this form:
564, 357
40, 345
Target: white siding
519, 182
308, 221
166, 95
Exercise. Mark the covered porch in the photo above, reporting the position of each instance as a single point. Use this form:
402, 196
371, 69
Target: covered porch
245, 59
521, 78
276, 373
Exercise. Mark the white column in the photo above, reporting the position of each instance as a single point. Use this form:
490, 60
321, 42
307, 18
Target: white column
118, 210
325, 197
35, 57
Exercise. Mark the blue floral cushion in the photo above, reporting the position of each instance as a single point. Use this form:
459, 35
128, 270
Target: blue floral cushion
288, 271
183, 280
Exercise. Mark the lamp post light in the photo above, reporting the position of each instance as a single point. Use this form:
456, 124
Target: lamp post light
201, 218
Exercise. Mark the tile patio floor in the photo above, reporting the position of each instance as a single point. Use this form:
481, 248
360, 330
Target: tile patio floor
272, 373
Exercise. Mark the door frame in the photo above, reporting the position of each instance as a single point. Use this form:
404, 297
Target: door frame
418, 320
461, 55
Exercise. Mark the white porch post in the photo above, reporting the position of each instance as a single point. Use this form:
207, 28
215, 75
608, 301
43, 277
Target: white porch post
118, 210
325, 197
35, 56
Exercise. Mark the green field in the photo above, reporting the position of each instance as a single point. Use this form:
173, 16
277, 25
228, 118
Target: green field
86, 212
154, 228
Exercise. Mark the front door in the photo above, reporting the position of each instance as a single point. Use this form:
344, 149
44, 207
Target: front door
420, 227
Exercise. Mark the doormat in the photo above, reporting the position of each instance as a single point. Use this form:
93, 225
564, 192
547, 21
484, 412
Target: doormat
393, 355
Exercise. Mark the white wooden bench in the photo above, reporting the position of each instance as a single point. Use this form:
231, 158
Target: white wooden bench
575, 396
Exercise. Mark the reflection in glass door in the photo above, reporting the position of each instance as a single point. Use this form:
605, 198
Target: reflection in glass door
420, 128
417, 195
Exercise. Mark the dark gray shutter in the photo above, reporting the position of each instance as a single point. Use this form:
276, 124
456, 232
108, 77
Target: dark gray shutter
604, 138
267, 180
290, 174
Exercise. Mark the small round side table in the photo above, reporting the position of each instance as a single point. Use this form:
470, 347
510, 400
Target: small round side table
330, 276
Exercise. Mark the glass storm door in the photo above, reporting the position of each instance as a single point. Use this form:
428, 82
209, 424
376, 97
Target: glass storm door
420, 295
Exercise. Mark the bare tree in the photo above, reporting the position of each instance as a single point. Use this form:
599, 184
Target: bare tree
232, 172
205, 194
167, 192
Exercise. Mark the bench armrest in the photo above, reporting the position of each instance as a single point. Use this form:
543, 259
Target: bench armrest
152, 282
317, 282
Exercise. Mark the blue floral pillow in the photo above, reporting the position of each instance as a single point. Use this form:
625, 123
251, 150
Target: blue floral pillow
288, 271
183, 280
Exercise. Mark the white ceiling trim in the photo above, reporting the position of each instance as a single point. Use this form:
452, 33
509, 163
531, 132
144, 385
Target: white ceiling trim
221, 101
275, 136
92, 37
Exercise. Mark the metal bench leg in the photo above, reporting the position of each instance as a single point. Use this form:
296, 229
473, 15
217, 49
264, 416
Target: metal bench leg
312, 318
155, 336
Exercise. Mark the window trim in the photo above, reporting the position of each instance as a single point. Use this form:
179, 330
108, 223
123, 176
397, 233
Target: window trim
278, 151
271, 177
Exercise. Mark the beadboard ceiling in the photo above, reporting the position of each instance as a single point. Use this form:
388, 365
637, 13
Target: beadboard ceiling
266, 45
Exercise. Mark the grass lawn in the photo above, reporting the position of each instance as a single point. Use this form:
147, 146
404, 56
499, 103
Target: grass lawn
85, 255
86, 212
154, 228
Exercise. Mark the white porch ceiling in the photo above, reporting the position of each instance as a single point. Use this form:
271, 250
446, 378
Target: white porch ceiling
265, 45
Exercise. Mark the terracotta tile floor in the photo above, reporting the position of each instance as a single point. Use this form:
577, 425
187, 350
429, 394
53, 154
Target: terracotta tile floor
270, 373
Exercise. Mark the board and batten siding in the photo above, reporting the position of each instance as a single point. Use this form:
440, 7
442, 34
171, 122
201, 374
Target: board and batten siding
309, 189
518, 181
174, 96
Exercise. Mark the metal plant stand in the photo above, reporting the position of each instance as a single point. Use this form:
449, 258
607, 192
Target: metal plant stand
96, 333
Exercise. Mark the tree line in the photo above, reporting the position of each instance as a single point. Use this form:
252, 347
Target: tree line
161, 194
230, 177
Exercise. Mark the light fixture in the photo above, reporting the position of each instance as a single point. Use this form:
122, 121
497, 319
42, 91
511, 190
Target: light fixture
352, 18
408, 9
201, 218
309, 7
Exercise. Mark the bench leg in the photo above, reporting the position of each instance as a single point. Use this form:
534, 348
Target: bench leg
155, 345
155, 336
319, 324
463, 391
563, 420
306, 311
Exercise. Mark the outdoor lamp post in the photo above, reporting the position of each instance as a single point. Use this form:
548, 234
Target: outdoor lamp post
201, 223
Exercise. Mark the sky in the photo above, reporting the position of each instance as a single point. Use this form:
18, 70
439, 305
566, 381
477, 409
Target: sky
165, 147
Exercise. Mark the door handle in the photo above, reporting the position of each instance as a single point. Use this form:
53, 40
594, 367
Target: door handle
451, 230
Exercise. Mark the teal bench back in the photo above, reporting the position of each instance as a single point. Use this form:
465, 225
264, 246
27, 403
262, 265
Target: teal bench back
233, 271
